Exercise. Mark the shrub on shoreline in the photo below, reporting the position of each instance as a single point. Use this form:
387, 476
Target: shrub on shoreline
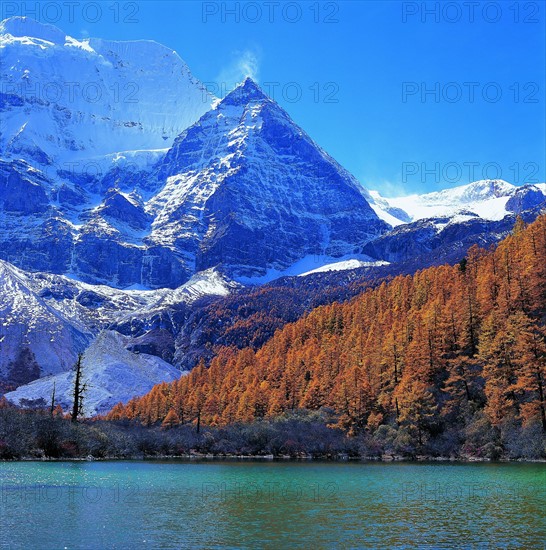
35, 434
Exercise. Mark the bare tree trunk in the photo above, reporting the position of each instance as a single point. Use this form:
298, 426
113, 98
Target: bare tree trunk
52, 406
77, 406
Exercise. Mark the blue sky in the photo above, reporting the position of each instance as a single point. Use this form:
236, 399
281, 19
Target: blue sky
355, 74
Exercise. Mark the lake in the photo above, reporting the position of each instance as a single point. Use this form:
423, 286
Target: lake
271, 504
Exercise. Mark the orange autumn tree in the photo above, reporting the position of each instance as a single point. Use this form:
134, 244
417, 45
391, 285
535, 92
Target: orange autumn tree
171, 420
415, 352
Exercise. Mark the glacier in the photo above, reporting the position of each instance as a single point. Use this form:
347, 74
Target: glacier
69, 102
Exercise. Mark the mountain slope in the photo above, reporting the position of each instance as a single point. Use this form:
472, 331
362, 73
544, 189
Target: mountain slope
111, 373
46, 320
35, 339
444, 239
453, 353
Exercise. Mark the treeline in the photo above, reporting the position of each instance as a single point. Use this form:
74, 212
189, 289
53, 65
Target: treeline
36, 434
453, 356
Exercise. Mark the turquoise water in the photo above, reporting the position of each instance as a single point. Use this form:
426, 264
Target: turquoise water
243, 504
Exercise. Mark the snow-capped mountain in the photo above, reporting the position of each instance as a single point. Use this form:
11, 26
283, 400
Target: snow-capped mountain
487, 199
243, 188
444, 224
247, 189
81, 117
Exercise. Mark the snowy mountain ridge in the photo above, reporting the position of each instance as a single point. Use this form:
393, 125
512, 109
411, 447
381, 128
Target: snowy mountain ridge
487, 199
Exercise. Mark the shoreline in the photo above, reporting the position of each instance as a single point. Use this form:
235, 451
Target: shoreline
195, 457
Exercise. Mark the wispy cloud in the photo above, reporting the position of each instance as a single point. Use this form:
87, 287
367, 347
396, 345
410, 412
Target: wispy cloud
244, 63
392, 188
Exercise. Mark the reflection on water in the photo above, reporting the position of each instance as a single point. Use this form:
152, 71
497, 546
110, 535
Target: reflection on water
243, 504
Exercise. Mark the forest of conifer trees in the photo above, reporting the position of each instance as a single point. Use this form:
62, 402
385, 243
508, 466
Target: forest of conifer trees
449, 360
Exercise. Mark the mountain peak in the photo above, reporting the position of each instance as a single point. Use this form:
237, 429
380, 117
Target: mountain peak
245, 92
497, 188
26, 26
